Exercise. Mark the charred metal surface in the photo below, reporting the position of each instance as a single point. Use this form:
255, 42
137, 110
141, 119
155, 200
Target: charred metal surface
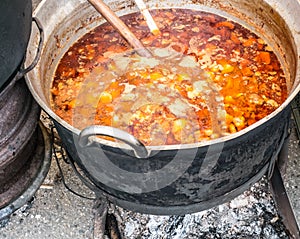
276, 182
105, 223
283, 204
100, 214
296, 113
112, 227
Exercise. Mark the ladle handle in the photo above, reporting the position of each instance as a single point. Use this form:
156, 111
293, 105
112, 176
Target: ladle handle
117, 23
96, 130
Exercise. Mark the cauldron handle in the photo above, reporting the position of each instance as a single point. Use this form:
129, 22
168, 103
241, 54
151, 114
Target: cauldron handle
22, 72
138, 147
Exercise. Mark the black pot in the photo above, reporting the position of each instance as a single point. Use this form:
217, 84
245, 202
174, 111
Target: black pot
184, 180
15, 28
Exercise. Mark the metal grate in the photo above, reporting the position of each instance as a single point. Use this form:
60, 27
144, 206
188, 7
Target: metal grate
296, 113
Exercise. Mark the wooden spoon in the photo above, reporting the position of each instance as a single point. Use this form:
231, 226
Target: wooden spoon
118, 24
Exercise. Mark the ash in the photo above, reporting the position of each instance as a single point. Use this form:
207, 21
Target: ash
251, 215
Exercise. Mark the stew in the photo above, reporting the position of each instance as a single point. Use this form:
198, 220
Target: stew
101, 81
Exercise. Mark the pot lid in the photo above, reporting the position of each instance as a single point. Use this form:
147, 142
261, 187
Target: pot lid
15, 28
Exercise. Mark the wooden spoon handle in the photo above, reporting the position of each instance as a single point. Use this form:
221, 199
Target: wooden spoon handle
149, 19
117, 23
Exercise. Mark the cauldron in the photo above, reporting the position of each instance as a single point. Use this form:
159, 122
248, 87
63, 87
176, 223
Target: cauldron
171, 179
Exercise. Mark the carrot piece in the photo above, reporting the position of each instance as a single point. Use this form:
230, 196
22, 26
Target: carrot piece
71, 104
246, 71
54, 91
249, 42
234, 38
264, 57
227, 24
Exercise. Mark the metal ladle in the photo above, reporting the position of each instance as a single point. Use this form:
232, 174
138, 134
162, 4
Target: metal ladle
118, 24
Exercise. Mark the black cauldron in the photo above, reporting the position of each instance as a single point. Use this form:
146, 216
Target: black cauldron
172, 179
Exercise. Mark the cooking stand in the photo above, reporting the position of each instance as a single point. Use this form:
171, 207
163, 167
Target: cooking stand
280, 195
